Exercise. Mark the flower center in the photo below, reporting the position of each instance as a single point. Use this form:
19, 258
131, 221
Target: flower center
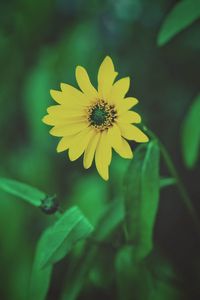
101, 115
98, 115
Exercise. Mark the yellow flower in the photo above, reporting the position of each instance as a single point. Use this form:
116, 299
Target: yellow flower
94, 121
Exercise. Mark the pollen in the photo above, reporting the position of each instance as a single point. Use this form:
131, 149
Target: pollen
101, 115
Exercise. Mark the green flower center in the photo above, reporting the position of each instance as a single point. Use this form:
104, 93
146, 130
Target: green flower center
98, 116
101, 115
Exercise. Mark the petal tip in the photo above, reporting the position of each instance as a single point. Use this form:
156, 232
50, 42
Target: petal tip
43, 119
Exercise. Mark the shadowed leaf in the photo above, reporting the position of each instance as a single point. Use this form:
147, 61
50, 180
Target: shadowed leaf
152, 278
79, 270
53, 245
191, 134
40, 278
165, 182
180, 17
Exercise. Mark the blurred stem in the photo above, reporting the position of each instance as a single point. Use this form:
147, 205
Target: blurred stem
184, 195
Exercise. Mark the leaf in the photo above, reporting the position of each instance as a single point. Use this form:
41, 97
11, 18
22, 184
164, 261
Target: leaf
152, 278
40, 278
71, 227
91, 195
142, 185
190, 136
165, 182
132, 277
22, 190
113, 216
53, 245
79, 270
180, 17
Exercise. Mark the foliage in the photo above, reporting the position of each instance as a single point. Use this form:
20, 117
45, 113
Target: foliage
129, 238
191, 134
181, 16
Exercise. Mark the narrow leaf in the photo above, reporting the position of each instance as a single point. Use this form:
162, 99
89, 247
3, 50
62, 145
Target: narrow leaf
165, 182
40, 278
142, 185
150, 187
191, 134
180, 17
70, 228
22, 190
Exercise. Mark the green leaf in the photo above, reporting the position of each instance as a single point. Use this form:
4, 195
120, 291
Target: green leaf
40, 278
22, 190
132, 277
152, 278
53, 245
91, 196
79, 270
142, 185
191, 134
71, 227
180, 17
165, 182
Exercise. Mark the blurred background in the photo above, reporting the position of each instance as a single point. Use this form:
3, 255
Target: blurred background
41, 43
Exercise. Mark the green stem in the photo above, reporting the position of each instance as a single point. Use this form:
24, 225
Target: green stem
183, 193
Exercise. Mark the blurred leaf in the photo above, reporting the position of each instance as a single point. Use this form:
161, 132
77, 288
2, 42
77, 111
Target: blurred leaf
180, 17
151, 279
22, 190
113, 216
191, 134
36, 100
142, 185
40, 277
71, 227
90, 194
165, 182
79, 270
132, 277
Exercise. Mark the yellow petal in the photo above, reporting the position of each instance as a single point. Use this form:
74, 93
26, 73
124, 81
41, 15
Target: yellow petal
57, 96
114, 136
84, 83
106, 77
73, 95
119, 89
52, 119
55, 108
60, 111
64, 143
103, 156
124, 149
90, 150
131, 132
68, 129
63, 110
129, 117
70, 97
125, 104
79, 143
118, 143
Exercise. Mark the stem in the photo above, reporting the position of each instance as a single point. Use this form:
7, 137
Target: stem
183, 193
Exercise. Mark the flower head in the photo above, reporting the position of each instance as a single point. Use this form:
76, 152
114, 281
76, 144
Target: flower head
93, 121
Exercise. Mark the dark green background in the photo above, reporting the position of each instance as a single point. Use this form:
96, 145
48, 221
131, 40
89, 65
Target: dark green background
41, 42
